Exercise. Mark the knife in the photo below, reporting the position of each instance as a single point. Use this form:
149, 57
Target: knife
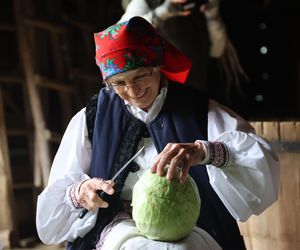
101, 193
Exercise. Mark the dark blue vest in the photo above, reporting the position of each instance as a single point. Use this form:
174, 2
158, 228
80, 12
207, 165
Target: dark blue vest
183, 118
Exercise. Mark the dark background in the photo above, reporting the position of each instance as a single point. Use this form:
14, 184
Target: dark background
273, 90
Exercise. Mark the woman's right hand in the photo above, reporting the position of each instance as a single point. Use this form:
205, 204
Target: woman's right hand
87, 193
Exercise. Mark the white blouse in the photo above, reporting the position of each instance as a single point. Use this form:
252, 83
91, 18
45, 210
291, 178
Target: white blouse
247, 186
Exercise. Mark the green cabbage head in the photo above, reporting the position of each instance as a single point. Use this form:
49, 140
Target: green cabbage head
165, 210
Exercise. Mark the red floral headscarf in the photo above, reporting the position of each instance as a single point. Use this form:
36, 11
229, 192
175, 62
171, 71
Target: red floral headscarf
133, 44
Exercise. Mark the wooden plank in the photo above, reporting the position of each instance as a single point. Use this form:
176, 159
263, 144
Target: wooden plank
7, 27
258, 126
78, 24
53, 136
5, 239
286, 146
278, 228
35, 103
18, 132
271, 130
7, 218
45, 25
37, 167
89, 77
45, 82
23, 185
288, 137
297, 124
288, 131
10, 79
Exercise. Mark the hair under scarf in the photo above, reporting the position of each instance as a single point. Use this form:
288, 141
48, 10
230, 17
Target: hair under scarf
135, 43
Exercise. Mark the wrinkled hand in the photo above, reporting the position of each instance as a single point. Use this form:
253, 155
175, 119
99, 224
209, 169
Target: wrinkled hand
183, 155
170, 9
211, 9
88, 197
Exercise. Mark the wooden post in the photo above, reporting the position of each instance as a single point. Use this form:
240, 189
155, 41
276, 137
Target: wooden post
7, 218
35, 103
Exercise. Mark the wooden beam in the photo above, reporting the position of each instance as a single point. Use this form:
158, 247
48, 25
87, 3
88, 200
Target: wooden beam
10, 79
35, 103
53, 136
4, 158
7, 27
7, 216
93, 78
18, 132
52, 84
23, 185
286, 146
45, 25
78, 24
6, 238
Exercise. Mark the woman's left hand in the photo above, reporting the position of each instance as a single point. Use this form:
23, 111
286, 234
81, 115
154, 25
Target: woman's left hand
182, 155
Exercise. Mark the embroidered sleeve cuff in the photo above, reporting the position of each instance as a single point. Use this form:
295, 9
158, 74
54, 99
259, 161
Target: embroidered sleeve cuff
74, 195
216, 154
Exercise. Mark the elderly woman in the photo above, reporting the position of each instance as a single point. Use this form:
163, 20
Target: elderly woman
145, 104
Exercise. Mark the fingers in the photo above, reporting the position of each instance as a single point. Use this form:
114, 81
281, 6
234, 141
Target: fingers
178, 161
88, 197
176, 155
105, 186
184, 174
161, 161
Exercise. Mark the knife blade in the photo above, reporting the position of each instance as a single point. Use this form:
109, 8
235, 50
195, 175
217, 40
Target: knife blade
101, 193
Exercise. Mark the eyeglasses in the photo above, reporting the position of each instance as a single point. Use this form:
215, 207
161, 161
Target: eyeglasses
123, 86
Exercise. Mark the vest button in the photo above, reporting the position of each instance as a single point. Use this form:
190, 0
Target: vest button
161, 125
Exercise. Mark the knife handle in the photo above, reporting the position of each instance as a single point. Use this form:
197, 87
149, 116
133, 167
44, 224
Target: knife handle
84, 211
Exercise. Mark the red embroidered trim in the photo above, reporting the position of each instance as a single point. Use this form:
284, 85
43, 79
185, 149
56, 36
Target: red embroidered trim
219, 155
73, 195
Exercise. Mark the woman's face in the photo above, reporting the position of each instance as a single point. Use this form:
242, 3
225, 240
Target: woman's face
139, 87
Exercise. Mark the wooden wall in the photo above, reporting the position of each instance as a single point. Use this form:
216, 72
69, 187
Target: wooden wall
278, 228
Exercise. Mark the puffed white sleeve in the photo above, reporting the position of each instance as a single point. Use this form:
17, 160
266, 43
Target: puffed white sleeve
249, 183
57, 218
